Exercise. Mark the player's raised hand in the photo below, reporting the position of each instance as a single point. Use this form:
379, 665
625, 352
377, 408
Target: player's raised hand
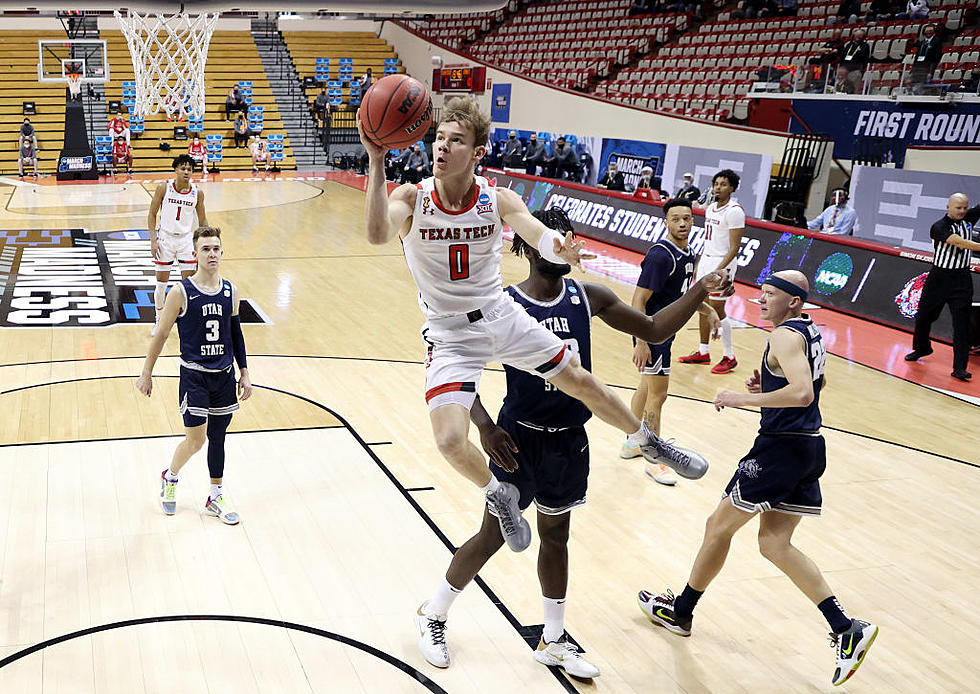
244, 386
374, 150
500, 447
727, 398
144, 384
754, 382
571, 252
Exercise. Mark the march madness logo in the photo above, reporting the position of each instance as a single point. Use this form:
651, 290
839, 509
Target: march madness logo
74, 278
483, 204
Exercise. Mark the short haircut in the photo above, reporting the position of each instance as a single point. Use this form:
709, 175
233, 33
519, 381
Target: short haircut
467, 112
206, 232
677, 202
732, 177
182, 159
553, 218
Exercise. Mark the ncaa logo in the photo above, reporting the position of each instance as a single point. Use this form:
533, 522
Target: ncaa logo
484, 206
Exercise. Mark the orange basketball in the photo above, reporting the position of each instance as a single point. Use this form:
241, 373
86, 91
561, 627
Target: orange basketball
396, 111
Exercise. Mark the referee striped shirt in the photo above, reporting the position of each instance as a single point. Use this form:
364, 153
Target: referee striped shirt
945, 255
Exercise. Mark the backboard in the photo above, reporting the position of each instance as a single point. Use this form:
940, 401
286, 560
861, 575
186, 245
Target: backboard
57, 58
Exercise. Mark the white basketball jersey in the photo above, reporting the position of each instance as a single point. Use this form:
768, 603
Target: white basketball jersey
454, 257
718, 221
177, 212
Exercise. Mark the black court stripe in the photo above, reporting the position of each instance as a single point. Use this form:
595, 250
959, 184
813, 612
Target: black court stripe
340, 638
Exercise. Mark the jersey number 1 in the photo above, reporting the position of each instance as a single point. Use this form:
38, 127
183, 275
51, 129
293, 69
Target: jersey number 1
178, 211
459, 261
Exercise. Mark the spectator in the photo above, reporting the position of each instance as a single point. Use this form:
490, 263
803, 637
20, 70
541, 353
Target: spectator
928, 50
971, 84
26, 128
122, 154
320, 106
830, 50
260, 154
842, 85
198, 152
234, 102
613, 178
241, 131
563, 161
27, 151
688, 191
838, 218
648, 180
416, 165
392, 166
367, 79
915, 9
847, 13
534, 155
854, 56
750, 9
117, 127
882, 10
512, 153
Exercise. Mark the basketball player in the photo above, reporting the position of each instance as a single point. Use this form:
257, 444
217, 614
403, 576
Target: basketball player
540, 432
724, 222
205, 308
117, 127
779, 479
198, 153
122, 154
665, 274
178, 202
450, 226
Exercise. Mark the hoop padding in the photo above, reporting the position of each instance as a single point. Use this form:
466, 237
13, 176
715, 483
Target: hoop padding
169, 53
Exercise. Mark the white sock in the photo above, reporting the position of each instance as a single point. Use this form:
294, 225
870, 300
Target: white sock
639, 437
554, 619
726, 337
171, 475
492, 486
159, 295
439, 606
703, 348
215, 491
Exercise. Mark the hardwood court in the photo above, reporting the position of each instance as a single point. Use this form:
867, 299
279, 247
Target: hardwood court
349, 513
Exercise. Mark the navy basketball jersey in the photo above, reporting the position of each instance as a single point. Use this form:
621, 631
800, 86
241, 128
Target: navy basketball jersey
681, 269
796, 419
532, 399
204, 326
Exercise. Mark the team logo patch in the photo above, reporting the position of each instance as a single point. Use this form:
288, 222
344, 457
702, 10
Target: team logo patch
749, 467
575, 300
483, 204
427, 206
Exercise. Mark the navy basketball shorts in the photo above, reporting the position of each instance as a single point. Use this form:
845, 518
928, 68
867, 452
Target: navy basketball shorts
659, 362
552, 466
781, 473
204, 393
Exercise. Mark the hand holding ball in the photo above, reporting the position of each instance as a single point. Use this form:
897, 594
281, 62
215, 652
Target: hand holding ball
395, 112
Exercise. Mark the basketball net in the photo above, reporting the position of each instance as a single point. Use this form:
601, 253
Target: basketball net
74, 85
169, 53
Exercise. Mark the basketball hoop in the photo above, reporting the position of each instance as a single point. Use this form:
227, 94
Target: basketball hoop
169, 53
74, 86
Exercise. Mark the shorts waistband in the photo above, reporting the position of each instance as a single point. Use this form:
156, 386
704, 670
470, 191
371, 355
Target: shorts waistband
789, 433
547, 430
194, 366
487, 312
175, 234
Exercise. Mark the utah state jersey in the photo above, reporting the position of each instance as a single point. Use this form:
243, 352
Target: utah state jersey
796, 419
666, 270
204, 326
530, 398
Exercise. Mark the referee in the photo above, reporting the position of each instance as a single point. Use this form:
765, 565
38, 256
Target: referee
949, 282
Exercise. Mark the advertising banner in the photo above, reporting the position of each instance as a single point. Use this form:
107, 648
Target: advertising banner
631, 156
898, 206
754, 170
866, 279
500, 103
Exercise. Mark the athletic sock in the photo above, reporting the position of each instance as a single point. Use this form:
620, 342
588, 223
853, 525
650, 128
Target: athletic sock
170, 475
642, 436
703, 348
491, 486
439, 605
554, 619
215, 492
726, 337
834, 614
685, 603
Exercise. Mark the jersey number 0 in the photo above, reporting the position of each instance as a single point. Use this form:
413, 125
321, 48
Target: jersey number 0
459, 261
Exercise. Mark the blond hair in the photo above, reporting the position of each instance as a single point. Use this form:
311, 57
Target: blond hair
467, 112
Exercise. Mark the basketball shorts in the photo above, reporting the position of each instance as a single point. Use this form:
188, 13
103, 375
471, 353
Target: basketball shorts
173, 248
553, 466
710, 263
659, 362
204, 393
458, 347
781, 473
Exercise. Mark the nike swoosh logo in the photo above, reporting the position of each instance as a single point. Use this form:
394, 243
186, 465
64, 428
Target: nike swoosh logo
663, 615
193, 297
850, 646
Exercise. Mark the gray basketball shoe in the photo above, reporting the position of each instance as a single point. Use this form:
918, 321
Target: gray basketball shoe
683, 461
504, 504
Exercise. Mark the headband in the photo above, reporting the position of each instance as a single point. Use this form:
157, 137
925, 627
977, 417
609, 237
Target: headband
788, 287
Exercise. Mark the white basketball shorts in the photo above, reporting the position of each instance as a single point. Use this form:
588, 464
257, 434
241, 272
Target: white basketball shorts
460, 346
710, 263
175, 248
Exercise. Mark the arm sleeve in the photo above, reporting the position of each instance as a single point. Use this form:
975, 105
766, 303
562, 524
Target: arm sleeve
238, 342
655, 269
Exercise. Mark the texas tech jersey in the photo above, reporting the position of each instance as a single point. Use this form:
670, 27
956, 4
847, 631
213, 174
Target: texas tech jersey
178, 213
454, 257
718, 221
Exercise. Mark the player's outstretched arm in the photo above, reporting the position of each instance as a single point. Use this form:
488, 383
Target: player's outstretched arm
387, 217
238, 346
495, 441
787, 347
171, 308
552, 246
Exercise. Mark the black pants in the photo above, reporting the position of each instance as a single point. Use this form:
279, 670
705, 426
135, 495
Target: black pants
241, 139
955, 288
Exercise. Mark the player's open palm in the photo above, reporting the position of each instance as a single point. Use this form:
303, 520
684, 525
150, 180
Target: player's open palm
144, 384
571, 252
500, 447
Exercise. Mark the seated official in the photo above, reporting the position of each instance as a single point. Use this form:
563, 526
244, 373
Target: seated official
838, 218
613, 178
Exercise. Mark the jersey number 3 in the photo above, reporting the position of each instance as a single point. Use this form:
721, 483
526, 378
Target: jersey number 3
459, 261
212, 334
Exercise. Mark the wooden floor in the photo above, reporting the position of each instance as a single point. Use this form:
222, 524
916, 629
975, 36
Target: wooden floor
350, 514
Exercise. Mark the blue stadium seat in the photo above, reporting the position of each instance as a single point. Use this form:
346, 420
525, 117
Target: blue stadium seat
136, 125
391, 66
195, 124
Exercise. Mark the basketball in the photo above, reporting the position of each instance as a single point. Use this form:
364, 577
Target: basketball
396, 111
